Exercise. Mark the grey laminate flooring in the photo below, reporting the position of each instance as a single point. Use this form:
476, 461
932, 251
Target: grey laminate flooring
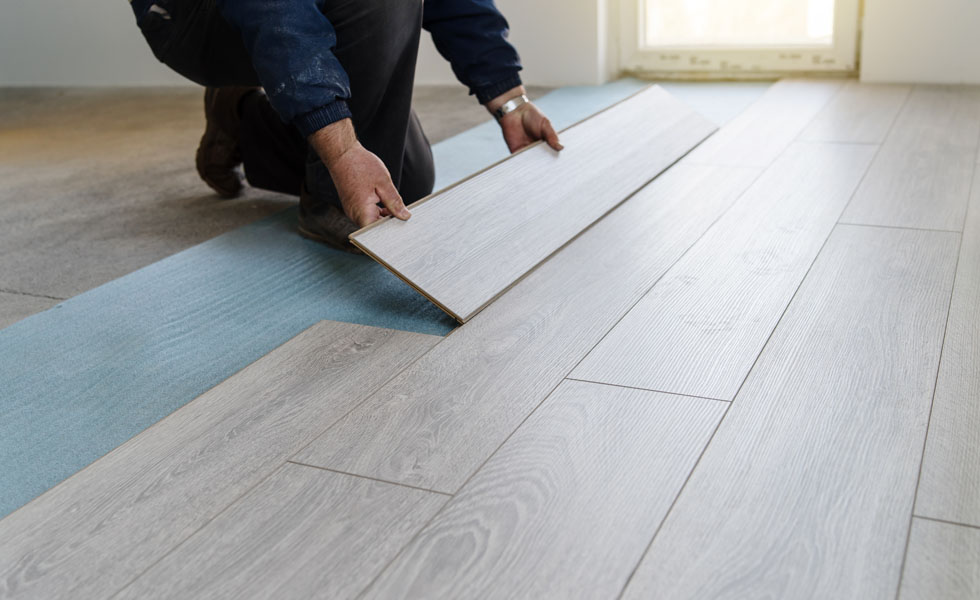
360, 462
529, 205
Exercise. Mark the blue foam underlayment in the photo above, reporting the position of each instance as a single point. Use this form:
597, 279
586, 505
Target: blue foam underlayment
83, 377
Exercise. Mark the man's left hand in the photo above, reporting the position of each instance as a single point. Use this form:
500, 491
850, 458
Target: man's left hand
524, 125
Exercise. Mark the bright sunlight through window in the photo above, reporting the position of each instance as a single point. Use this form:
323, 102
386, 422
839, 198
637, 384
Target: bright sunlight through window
739, 23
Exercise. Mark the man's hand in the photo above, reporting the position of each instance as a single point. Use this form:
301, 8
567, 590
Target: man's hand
361, 179
525, 125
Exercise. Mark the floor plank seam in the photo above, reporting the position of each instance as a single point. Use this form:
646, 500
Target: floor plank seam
945, 521
722, 419
932, 400
404, 485
196, 531
927, 229
30, 294
631, 387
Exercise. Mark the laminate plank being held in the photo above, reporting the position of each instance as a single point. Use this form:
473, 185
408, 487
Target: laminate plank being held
567, 506
435, 424
467, 244
700, 329
806, 489
96, 531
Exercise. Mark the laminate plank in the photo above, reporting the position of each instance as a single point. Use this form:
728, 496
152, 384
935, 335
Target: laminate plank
862, 113
93, 533
949, 487
700, 329
301, 533
760, 134
434, 424
567, 506
806, 489
943, 562
921, 177
521, 210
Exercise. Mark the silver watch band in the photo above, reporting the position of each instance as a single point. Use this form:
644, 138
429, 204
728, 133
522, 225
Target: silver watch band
510, 106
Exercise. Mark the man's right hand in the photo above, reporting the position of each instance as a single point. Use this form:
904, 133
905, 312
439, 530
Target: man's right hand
361, 179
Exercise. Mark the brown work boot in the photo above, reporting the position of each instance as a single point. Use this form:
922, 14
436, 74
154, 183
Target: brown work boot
325, 223
217, 155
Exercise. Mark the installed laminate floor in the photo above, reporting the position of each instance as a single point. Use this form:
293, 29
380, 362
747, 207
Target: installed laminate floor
778, 269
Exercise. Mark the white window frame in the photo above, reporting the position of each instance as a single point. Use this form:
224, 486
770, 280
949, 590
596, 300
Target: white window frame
738, 61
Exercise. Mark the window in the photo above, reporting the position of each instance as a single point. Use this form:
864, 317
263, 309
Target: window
733, 37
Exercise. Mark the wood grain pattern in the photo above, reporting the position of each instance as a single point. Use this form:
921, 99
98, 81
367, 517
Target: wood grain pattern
702, 326
921, 177
943, 562
467, 244
760, 134
301, 533
93, 533
862, 113
949, 488
435, 423
567, 506
806, 489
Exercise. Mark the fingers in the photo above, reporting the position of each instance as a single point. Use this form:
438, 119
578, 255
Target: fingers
549, 135
392, 201
367, 212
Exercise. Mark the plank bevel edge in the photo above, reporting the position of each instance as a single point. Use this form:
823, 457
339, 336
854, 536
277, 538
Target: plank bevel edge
862, 113
921, 176
943, 562
435, 423
568, 504
518, 213
806, 489
759, 135
97, 530
949, 488
301, 533
700, 329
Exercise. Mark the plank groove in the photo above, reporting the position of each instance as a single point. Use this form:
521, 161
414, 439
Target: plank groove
760, 134
467, 244
806, 489
435, 423
302, 533
567, 506
862, 113
949, 488
700, 329
921, 177
92, 534
943, 562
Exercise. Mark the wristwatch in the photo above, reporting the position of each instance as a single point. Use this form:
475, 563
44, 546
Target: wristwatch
510, 106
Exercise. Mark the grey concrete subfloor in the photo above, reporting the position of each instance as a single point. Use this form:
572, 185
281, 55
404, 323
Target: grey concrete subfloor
96, 183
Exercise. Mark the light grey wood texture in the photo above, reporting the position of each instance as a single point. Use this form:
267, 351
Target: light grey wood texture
949, 488
806, 489
301, 533
862, 113
467, 244
93, 533
702, 326
921, 177
435, 423
943, 562
567, 506
759, 135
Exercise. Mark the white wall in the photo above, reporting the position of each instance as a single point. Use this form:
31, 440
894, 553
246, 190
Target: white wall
919, 41
561, 42
78, 42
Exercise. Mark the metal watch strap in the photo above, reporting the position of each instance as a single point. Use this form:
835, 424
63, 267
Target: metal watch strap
510, 106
